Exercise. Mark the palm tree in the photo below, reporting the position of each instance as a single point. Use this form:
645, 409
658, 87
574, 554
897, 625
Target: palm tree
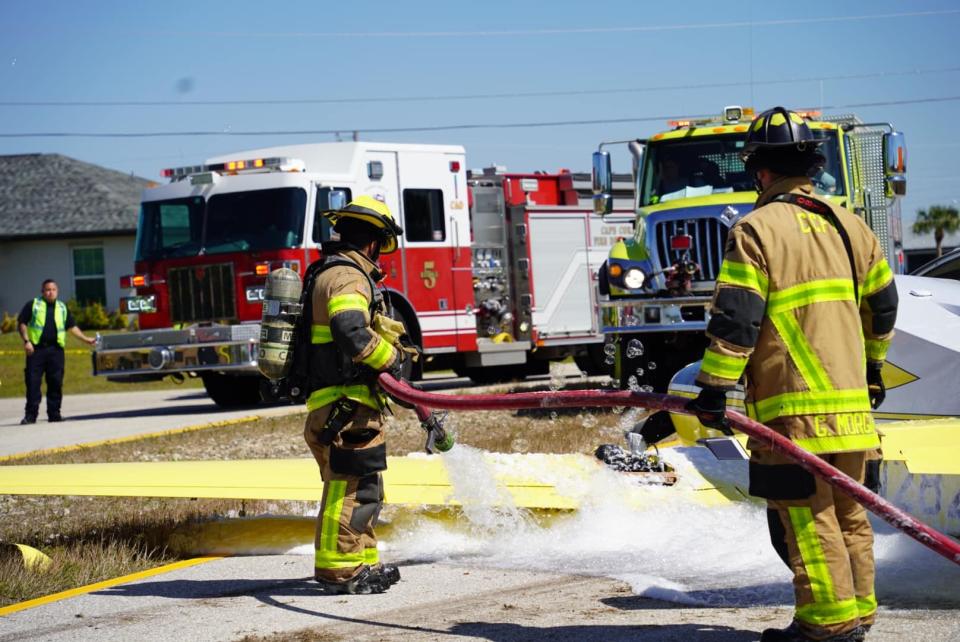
940, 220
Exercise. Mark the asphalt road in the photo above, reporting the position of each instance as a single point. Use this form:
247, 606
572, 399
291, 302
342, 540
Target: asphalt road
95, 417
259, 596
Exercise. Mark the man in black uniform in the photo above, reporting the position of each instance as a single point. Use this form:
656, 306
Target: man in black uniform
44, 323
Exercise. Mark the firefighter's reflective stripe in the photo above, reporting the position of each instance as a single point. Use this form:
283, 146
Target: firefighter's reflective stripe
801, 351
826, 609
328, 555
878, 276
320, 334
328, 559
877, 349
810, 402
867, 606
358, 392
744, 275
722, 366
346, 302
381, 355
38, 319
804, 294
839, 443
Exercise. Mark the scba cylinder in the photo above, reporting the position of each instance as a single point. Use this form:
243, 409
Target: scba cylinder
281, 309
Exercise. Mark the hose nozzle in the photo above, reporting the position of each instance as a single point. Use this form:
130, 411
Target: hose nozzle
438, 439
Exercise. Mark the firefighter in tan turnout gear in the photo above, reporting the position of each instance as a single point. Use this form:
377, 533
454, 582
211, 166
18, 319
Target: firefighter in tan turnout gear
804, 309
344, 427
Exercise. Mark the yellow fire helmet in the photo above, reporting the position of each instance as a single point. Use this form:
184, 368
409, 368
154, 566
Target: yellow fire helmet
376, 213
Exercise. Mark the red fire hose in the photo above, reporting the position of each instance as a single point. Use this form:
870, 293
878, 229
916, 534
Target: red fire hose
929, 537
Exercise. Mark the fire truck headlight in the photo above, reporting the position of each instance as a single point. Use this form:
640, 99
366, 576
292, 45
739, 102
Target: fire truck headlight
254, 293
634, 278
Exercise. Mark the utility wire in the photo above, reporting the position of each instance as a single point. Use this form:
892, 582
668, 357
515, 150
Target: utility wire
434, 128
529, 94
553, 32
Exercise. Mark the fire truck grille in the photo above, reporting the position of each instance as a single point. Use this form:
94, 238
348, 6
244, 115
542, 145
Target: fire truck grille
709, 238
202, 293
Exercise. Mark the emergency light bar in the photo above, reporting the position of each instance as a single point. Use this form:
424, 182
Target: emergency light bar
731, 114
280, 164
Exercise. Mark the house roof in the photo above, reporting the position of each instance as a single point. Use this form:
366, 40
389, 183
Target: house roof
51, 195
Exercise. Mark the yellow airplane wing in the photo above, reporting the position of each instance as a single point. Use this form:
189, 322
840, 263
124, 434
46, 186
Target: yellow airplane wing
551, 482
926, 447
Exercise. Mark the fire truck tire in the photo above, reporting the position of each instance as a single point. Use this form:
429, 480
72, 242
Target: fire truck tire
230, 391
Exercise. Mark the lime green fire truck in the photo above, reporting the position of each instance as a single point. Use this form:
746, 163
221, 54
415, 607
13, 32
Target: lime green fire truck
690, 188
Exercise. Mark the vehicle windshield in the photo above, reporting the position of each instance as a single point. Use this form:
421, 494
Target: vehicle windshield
700, 166
230, 222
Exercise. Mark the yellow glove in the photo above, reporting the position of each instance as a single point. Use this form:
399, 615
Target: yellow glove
390, 329
394, 333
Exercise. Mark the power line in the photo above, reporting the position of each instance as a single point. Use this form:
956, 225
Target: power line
435, 128
553, 32
529, 94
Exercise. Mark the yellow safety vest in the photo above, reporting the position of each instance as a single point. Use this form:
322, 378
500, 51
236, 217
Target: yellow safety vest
39, 319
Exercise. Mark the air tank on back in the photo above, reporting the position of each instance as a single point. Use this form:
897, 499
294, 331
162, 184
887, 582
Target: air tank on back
281, 310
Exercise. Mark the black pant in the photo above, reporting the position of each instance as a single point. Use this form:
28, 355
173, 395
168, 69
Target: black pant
44, 361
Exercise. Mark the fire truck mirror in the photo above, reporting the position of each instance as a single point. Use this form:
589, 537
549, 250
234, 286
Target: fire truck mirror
602, 175
895, 163
337, 199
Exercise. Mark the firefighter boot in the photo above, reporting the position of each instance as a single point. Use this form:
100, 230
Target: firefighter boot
793, 633
370, 580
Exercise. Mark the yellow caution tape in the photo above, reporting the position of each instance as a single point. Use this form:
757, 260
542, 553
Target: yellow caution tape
7, 353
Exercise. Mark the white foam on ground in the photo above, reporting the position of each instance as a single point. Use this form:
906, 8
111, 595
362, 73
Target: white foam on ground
673, 549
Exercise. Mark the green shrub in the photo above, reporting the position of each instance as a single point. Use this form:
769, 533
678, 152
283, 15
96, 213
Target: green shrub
92, 316
9, 323
118, 321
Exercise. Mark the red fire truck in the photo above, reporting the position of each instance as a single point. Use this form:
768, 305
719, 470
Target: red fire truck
495, 275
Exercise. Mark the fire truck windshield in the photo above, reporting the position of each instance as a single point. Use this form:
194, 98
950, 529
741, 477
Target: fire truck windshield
230, 222
699, 166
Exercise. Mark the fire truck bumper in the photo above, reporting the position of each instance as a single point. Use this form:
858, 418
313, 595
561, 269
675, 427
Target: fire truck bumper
152, 354
681, 314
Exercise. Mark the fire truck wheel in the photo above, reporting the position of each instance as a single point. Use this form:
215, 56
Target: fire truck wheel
230, 391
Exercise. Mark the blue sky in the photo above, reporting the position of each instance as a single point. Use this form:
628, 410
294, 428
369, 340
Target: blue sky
609, 52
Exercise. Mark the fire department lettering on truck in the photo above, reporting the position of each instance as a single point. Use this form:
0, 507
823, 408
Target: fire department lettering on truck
609, 234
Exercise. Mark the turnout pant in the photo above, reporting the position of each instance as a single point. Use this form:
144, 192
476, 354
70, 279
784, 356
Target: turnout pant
44, 362
824, 537
350, 467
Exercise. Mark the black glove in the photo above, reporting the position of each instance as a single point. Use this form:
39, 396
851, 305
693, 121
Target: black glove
710, 407
396, 368
875, 387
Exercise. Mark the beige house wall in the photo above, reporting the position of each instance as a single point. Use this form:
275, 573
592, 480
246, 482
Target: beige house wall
25, 264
